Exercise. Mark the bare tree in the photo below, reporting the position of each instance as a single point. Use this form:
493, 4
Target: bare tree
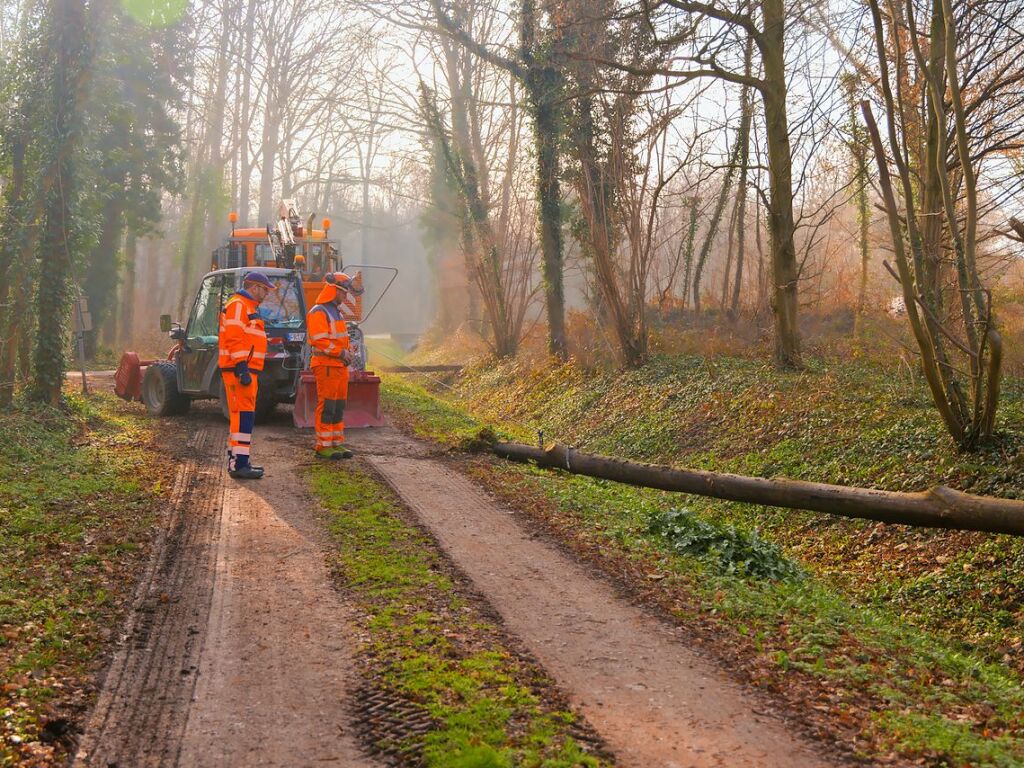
924, 239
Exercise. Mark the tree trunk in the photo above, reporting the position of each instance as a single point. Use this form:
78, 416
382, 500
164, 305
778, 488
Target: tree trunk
727, 272
741, 191
939, 507
486, 267
245, 160
716, 220
193, 233
100, 282
214, 229
55, 294
14, 271
268, 152
126, 331
859, 155
364, 223
543, 88
785, 270
691, 239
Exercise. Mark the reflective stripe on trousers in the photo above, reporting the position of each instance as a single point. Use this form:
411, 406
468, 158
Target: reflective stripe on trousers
242, 416
331, 394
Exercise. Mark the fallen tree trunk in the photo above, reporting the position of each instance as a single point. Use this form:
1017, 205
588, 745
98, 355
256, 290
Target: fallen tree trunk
939, 507
421, 368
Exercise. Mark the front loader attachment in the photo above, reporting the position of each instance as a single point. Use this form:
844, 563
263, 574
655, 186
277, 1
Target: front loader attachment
362, 409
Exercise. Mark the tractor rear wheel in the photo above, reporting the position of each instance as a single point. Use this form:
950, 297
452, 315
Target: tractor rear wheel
160, 390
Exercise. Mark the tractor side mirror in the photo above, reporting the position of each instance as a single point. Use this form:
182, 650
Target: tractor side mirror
165, 323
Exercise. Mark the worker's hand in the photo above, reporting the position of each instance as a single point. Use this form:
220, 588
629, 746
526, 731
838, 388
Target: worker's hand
242, 372
346, 357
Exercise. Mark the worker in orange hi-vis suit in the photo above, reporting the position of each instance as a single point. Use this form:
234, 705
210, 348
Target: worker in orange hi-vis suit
328, 336
242, 348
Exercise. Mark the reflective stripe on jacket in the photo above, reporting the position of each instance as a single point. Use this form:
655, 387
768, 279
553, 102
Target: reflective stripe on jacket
328, 336
242, 335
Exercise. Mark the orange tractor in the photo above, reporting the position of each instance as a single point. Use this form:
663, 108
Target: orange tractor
295, 258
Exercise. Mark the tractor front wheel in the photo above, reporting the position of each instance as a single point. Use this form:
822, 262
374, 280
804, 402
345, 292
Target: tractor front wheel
160, 390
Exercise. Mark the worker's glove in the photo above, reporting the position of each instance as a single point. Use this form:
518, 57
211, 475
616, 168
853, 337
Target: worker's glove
346, 357
242, 372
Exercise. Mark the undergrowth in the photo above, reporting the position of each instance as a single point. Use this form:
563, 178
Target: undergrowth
908, 639
432, 646
75, 515
727, 549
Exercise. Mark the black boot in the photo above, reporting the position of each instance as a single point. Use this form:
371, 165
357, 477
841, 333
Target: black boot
247, 473
341, 452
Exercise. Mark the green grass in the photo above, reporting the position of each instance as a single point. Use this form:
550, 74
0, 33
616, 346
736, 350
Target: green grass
909, 634
75, 513
434, 419
429, 645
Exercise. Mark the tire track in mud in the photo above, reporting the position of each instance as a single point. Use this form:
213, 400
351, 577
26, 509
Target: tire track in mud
140, 715
237, 650
654, 700
277, 665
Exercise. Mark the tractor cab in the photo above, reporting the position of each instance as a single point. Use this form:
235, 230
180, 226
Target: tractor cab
284, 315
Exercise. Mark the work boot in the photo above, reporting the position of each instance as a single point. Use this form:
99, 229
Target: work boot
247, 473
342, 453
327, 453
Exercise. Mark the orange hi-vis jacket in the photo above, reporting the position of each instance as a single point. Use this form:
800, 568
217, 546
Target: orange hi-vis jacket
328, 334
242, 335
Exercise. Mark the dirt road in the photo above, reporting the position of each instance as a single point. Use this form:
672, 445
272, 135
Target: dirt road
653, 700
239, 651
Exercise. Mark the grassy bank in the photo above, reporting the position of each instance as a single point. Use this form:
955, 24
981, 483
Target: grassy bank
76, 509
905, 643
427, 650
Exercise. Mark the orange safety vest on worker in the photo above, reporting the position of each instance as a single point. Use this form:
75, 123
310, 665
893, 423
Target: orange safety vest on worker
242, 334
328, 337
241, 351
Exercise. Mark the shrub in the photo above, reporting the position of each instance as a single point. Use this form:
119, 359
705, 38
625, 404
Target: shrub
733, 551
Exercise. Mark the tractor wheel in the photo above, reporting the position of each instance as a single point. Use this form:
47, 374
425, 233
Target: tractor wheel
265, 404
160, 390
223, 398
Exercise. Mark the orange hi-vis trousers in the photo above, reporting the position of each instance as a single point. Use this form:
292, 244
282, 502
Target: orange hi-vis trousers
242, 417
331, 394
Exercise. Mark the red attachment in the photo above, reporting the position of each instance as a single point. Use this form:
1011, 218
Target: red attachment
128, 378
304, 411
363, 406
362, 409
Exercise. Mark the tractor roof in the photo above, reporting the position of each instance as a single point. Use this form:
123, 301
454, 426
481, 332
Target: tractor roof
271, 271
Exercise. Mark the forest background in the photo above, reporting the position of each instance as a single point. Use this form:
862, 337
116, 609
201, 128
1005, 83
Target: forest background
602, 180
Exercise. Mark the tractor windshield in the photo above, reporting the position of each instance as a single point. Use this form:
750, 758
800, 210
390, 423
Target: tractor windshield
284, 308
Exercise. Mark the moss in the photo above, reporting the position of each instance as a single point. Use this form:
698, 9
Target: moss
431, 645
76, 506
